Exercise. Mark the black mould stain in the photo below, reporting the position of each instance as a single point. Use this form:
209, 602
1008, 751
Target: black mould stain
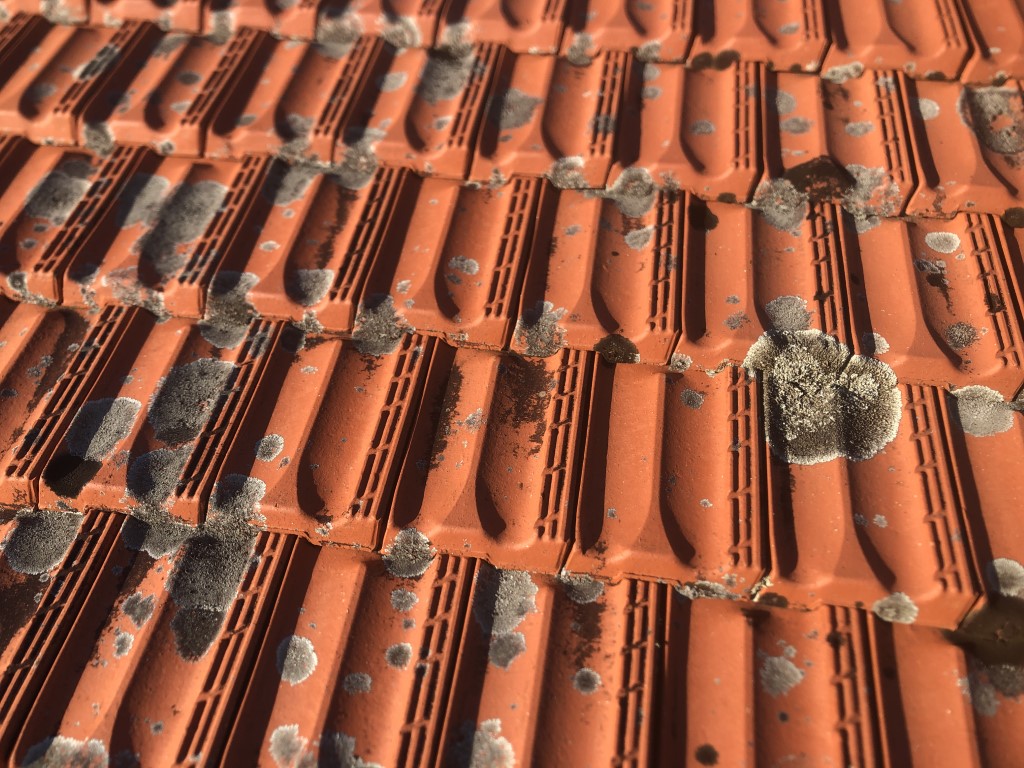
706, 755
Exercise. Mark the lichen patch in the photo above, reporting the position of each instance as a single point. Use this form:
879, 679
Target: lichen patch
822, 401
897, 608
296, 659
982, 412
409, 555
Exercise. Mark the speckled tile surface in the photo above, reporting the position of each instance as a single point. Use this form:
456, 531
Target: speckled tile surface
479, 383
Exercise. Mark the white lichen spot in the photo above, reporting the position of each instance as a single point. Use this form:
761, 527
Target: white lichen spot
943, 242
897, 608
982, 411
779, 675
296, 659
927, 109
1006, 577
489, 748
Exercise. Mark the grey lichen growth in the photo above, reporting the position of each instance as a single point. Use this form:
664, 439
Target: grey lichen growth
358, 166
567, 173
822, 401
214, 559
788, 313
464, 265
512, 108
100, 425
288, 748
943, 242
795, 125
691, 399
66, 751
702, 128
336, 33
338, 750
1006, 577
897, 608
17, 281
402, 32
402, 600
633, 192
874, 344
392, 81
586, 681
379, 328
286, 184
446, 73
398, 655
502, 600
638, 238
994, 114
779, 675
269, 448
843, 72
101, 61
357, 682
122, 643
783, 101
705, 590
186, 397
483, 746
296, 659
961, 335
153, 477
578, 52
506, 648
228, 313
928, 109
781, 204
183, 218
138, 609
99, 138
987, 685
141, 200
538, 332
982, 411
679, 363
59, 192
872, 196
409, 555
40, 540
858, 129
581, 587
307, 287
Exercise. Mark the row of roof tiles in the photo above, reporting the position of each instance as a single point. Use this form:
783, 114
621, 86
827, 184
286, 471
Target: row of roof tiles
485, 113
640, 275
268, 650
566, 462
943, 39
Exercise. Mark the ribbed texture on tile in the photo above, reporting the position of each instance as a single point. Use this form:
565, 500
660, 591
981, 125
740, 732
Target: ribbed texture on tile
881, 143
978, 40
319, 655
470, 383
638, 274
570, 461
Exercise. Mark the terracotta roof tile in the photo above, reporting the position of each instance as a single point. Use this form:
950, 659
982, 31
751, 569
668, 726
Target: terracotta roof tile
476, 383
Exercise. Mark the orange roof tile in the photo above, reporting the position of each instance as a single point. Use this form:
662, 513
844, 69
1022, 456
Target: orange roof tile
483, 384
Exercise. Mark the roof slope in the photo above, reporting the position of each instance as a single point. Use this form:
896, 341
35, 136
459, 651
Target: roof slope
479, 384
